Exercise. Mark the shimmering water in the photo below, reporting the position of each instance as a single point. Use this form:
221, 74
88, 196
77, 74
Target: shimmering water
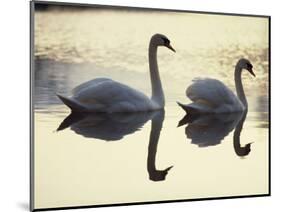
118, 158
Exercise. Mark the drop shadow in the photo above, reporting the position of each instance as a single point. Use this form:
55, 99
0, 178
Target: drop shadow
23, 206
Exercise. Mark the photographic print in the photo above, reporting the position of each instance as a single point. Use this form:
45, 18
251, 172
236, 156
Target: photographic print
136, 105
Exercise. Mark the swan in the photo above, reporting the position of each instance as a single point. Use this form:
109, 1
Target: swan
212, 96
107, 95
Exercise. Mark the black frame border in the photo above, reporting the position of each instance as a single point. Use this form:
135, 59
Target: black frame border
31, 104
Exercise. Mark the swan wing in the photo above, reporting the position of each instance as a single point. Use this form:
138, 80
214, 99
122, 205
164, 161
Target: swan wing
211, 92
106, 94
85, 85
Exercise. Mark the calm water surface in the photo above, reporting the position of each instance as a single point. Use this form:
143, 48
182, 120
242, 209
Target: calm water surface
101, 159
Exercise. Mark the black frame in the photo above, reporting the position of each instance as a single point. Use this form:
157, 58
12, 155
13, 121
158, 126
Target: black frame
31, 112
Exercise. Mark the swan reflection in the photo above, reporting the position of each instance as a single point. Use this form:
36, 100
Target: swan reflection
239, 150
211, 129
156, 126
113, 127
104, 126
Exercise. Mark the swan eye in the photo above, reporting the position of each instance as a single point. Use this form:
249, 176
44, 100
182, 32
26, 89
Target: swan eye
166, 41
249, 65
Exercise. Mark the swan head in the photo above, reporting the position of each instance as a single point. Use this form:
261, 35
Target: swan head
159, 175
246, 64
243, 151
162, 40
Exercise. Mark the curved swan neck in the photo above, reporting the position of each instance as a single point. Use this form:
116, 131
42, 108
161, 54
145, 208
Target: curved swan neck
239, 87
157, 91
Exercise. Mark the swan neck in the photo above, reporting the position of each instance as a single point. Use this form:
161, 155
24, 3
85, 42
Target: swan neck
157, 91
239, 87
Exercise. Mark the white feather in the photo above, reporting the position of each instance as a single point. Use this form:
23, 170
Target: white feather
110, 96
211, 96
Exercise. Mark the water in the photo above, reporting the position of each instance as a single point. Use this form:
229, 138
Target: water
104, 159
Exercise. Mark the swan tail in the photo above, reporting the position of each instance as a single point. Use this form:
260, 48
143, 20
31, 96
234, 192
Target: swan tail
182, 106
70, 119
74, 106
194, 108
186, 108
188, 118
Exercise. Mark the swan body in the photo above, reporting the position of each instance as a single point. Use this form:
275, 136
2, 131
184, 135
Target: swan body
106, 95
212, 96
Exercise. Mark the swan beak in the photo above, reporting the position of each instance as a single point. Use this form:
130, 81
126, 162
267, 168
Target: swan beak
251, 72
167, 169
170, 47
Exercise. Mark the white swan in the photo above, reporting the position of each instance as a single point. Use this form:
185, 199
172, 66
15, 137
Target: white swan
212, 96
106, 95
